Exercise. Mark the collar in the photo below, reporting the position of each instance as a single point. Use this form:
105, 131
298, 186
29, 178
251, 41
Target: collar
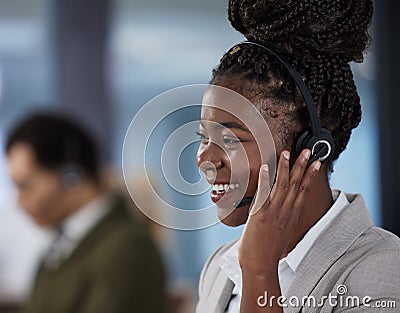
229, 264
73, 229
78, 224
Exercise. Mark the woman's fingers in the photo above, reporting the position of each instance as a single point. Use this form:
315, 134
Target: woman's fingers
263, 190
273, 217
279, 189
296, 176
290, 189
281, 186
302, 193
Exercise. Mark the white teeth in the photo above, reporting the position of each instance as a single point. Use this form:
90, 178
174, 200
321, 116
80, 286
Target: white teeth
224, 188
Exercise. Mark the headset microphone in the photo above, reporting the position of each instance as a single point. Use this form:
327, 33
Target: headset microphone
243, 202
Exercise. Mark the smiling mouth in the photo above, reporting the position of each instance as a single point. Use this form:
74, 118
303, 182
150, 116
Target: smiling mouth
223, 188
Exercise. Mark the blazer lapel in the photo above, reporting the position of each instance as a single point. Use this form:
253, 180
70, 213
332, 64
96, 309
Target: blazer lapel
220, 293
331, 244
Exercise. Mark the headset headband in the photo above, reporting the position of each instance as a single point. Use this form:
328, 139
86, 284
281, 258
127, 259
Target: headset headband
305, 92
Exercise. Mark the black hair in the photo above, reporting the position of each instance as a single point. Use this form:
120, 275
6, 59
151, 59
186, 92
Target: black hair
57, 142
320, 38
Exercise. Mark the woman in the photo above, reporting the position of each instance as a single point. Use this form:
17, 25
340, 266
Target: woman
305, 246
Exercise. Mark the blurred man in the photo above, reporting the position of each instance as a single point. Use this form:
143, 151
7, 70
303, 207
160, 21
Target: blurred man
101, 258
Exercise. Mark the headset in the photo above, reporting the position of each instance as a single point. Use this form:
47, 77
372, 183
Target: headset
71, 172
71, 177
317, 139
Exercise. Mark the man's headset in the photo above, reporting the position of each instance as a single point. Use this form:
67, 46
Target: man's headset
71, 172
317, 139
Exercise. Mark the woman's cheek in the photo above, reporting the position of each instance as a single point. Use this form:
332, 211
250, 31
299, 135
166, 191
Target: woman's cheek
244, 163
248, 180
254, 168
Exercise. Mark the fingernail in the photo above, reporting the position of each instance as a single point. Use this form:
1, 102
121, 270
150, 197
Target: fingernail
307, 154
317, 165
286, 155
265, 168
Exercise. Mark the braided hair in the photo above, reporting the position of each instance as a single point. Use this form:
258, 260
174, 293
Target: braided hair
320, 38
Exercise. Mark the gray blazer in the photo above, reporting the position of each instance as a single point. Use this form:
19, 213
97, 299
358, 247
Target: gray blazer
351, 258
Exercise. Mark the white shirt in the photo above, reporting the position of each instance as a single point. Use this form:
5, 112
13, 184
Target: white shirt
74, 229
287, 266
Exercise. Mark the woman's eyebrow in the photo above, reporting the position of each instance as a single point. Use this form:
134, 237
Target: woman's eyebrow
234, 125
228, 125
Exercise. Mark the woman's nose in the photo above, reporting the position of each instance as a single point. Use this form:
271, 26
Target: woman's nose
209, 156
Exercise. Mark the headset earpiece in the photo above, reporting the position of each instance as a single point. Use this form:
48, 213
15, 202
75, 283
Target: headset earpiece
321, 146
71, 177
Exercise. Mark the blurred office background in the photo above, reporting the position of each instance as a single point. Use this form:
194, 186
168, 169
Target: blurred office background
103, 60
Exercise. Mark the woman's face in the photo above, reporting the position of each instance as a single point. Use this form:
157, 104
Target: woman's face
230, 157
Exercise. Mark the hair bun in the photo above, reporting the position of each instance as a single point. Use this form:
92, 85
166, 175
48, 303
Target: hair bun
338, 27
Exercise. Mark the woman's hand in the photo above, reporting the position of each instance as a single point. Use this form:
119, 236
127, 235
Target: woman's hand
270, 227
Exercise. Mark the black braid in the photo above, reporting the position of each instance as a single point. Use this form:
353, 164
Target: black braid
320, 38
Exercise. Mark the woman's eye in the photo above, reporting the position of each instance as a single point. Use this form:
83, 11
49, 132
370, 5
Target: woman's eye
203, 138
231, 141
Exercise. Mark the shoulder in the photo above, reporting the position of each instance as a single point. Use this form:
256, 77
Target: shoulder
384, 239
381, 253
376, 276
374, 246
375, 273
362, 253
121, 222
216, 255
121, 238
